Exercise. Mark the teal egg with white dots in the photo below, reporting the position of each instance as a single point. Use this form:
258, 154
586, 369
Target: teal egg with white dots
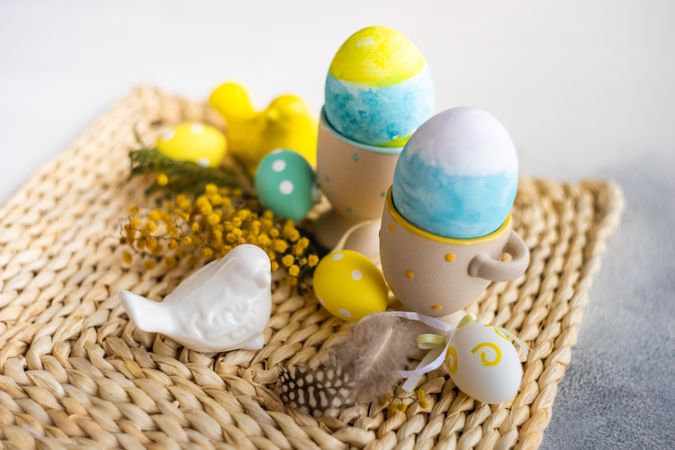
285, 184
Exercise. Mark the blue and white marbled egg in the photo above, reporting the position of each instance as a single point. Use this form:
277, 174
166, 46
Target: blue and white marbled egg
458, 175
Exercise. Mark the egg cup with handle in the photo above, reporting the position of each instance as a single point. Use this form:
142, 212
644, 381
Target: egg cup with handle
354, 177
439, 276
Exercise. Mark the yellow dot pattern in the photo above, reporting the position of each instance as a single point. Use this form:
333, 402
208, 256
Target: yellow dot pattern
409, 274
392, 228
437, 307
449, 257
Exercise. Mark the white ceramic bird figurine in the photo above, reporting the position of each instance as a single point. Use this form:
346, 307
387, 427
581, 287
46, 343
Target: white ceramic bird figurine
225, 305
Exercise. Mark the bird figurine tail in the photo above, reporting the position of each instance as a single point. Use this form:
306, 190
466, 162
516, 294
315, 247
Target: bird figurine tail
148, 315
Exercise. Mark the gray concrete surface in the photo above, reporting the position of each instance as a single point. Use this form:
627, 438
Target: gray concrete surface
619, 391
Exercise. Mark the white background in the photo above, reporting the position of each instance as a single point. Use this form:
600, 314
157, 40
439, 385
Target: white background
586, 88
579, 84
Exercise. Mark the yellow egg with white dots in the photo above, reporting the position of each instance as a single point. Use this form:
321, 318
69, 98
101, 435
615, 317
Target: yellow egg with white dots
194, 142
349, 285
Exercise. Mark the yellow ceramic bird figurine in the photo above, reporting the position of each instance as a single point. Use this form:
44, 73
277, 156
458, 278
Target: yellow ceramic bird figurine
285, 123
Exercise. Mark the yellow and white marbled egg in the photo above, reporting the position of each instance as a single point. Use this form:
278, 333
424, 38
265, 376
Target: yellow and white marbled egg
484, 364
349, 285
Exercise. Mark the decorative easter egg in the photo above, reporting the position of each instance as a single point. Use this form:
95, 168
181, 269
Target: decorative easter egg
349, 285
458, 174
484, 364
379, 88
284, 181
195, 142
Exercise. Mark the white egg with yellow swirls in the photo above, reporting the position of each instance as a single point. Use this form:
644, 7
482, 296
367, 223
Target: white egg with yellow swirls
484, 364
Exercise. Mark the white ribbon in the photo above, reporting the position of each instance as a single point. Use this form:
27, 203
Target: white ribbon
432, 360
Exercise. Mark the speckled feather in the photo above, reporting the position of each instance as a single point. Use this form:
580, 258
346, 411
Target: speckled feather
318, 390
358, 371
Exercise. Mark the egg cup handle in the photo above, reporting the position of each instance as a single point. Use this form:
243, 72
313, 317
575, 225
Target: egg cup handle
488, 268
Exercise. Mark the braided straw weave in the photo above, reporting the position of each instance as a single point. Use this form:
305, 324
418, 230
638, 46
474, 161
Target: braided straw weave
75, 373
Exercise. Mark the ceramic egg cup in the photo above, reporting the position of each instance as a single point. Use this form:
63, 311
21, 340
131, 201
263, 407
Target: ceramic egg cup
439, 276
354, 177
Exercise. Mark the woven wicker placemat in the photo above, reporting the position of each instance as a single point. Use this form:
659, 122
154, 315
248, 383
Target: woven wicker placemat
74, 372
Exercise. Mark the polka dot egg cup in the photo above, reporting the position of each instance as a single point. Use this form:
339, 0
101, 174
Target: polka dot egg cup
355, 178
439, 276
349, 285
